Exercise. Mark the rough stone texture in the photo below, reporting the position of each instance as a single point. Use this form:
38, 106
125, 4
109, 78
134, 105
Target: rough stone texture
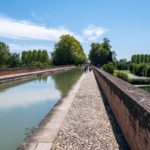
12, 71
131, 107
87, 126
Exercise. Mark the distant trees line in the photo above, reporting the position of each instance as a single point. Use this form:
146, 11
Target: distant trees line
138, 65
101, 55
140, 69
140, 58
31, 58
35, 58
67, 51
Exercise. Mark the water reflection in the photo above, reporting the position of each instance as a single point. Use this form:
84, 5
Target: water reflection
24, 104
28, 93
64, 80
23, 81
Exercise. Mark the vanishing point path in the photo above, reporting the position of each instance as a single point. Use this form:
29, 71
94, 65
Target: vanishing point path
86, 126
79, 122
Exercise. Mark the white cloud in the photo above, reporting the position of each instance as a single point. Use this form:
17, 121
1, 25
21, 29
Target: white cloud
25, 30
25, 98
92, 32
16, 29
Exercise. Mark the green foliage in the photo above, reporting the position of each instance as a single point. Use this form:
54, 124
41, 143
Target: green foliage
146, 88
140, 58
109, 68
68, 51
35, 58
122, 76
137, 81
100, 53
4, 55
147, 71
14, 60
122, 64
140, 69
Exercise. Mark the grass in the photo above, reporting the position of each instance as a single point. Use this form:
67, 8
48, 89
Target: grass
136, 81
125, 71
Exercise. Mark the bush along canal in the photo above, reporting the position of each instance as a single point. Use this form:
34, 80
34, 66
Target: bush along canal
23, 105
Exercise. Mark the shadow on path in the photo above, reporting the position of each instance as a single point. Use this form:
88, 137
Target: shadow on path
123, 145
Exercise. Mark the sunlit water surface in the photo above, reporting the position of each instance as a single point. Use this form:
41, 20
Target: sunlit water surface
23, 105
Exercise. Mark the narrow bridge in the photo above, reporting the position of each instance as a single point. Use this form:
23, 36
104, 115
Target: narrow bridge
83, 119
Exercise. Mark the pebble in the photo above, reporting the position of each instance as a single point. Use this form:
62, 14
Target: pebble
87, 125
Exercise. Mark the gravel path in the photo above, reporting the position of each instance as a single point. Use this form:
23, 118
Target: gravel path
86, 126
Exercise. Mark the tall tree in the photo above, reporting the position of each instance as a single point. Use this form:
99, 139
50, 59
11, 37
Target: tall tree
14, 60
4, 55
101, 53
68, 51
45, 56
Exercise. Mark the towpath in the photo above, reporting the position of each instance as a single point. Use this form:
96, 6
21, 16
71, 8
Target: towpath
12, 77
78, 122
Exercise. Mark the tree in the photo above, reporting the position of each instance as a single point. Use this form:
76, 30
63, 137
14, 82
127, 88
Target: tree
101, 53
4, 55
39, 56
14, 60
34, 56
44, 57
68, 51
133, 59
25, 58
146, 58
109, 68
123, 64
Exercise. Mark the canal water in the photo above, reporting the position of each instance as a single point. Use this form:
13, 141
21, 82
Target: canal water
23, 105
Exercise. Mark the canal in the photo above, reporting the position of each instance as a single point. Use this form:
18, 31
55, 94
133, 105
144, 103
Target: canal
23, 105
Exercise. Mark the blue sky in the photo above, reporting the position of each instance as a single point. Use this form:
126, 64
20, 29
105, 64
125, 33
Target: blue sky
33, 24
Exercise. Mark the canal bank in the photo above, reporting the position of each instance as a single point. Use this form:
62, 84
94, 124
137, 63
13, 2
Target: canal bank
24, 104
25, 76
78, 121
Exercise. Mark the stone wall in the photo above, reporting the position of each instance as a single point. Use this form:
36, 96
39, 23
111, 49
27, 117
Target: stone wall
131, 107
19, 70
26, 75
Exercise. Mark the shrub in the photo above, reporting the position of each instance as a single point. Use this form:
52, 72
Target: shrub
131, 67
139, 69
122, 76
109, 68
138, 81
147, 71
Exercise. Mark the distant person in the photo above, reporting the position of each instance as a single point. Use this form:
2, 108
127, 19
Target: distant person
85, 68
90, 68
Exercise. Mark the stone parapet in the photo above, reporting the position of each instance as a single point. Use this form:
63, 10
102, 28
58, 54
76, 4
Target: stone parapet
131, 107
